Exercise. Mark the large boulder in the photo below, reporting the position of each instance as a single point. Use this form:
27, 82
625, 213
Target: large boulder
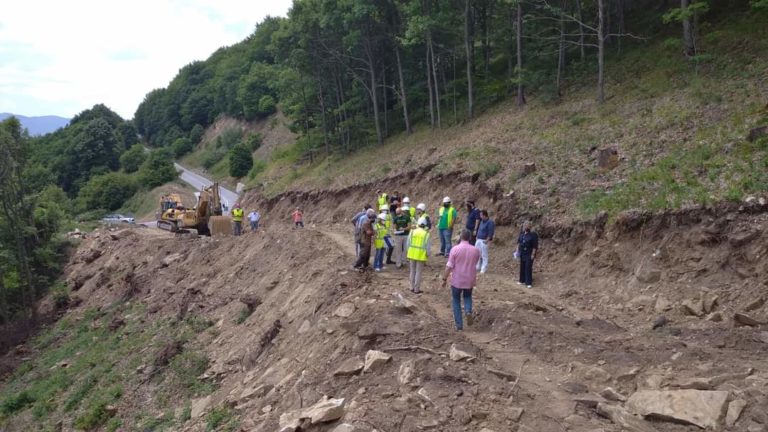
375, 360
705, 409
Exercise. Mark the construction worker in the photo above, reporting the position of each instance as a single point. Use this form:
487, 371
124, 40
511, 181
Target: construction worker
388, 239
446, 217
421, 211
357, 223
237, 220
380, 227
418, 252
402, 227
411, 210
381, 198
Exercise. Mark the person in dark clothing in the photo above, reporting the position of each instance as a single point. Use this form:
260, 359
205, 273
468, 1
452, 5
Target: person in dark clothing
527, 247
366, 239
473, 220
394, 202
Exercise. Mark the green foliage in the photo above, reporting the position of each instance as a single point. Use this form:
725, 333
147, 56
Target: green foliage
221, 419
196, 134
259, 166
680, 14
132, 159
107, 191
267, 106
15, 402
184, 371
157, 169
245, 312
240, 161
182, 146
760, 4
253, 142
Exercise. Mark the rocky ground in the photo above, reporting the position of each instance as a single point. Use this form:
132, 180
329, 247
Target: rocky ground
646, 323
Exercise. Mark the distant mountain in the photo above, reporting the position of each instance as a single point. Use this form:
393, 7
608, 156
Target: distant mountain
38, 125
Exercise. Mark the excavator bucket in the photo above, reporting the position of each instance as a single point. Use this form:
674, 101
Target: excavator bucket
220, 225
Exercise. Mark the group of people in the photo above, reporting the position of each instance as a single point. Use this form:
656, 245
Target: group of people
399, 233
237, 219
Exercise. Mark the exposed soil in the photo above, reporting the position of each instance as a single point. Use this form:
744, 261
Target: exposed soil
588, 324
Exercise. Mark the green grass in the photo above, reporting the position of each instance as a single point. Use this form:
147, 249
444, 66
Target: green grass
80, 368
222, 420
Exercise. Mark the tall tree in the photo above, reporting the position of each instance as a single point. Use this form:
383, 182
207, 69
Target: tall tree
468, 44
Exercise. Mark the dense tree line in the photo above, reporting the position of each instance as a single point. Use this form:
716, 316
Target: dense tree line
47, 182
351, 72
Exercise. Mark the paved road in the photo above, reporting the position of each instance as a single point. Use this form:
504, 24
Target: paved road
198, 182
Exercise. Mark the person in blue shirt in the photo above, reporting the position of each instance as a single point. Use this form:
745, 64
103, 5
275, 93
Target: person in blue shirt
485, 232
527, 247
473, 220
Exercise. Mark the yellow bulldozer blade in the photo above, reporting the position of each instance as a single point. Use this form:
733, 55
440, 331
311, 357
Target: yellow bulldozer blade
220, 225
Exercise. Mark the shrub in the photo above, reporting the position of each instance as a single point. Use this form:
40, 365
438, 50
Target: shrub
158, 169
107, 191
259, 166
182, 146
240, 161
267, 106
132, 159
253, 142
196, 134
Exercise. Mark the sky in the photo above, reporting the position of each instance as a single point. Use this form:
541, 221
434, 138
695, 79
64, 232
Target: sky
62, 57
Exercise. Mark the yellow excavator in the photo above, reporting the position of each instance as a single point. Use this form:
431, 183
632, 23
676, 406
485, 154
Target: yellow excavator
204, 217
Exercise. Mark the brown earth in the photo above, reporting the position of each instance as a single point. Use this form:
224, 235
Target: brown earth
588, 324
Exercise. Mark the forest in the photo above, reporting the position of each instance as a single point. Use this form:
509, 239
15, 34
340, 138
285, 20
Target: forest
349, 73
47, 183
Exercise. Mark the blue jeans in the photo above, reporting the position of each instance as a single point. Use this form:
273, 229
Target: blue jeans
445, 241
526, 270
378, 261
254, 225
457, 294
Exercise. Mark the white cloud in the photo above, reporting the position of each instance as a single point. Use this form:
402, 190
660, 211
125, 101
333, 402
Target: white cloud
63, 57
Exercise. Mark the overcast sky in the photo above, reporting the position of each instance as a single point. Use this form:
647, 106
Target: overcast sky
61, 57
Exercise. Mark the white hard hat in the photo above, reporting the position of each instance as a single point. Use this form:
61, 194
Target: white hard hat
422, 207
382, 216
422, 221
406, 200
446, 200
383, 208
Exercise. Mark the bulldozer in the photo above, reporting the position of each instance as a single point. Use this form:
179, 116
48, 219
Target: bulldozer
205, 217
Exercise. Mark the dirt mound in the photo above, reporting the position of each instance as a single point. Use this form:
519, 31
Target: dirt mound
288, 331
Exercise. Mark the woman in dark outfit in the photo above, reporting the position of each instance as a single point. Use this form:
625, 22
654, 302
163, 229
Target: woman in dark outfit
527, 246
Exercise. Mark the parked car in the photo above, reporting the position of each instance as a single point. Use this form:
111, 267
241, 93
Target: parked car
117, 219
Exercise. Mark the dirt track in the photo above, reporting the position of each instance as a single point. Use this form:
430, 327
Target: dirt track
586, 326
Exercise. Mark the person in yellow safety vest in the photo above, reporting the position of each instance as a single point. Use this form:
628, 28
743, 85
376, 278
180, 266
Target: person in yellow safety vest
446, 217
382, 199
388, 244
418, 252
237, 220
380, 228
411, 210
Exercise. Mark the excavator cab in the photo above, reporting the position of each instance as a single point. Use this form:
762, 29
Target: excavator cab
175, 218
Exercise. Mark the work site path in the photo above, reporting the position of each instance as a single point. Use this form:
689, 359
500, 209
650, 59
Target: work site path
537, 377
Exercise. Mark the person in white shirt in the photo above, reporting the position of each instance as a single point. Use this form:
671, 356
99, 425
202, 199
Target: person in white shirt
253, 218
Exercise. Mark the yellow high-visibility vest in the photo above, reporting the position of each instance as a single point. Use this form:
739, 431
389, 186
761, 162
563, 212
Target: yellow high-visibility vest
418, 243
381, 232
237, 215
383, 200
450, 216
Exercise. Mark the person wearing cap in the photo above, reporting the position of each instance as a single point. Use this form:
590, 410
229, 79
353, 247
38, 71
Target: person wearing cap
411, 210
401, 224
418, 253
462, 269
446, 217
527, 247
380, 227
473, 219
237, 220
357, 222
366, 239
421, 211
485, 232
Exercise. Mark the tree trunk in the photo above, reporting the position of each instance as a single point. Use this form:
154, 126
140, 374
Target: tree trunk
622, 23
582, 48
689, 44
487, 14
436, 82
519, 39
374, 82
561, 52
385, 107
600, 52
468, 43
403, 95
321, 101
430, 86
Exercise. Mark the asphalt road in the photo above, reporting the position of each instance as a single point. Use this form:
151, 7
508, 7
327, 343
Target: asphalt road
228, 197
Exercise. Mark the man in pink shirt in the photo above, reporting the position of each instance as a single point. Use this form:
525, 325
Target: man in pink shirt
462, 268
